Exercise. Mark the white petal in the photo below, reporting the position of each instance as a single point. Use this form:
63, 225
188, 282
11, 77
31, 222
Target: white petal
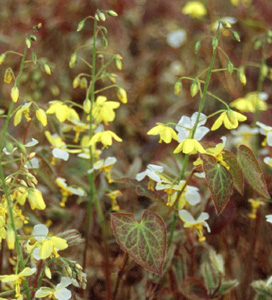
186, 216
40, 231
63, 294
201, 132
269, 218
176, 38
203, 217
269, 138
110, 161
184, 122
269, 281
64, 282
59, 153
33, 142
155, 168
33, 163
141, 176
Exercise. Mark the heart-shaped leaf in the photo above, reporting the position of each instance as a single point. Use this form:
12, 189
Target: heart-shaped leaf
235, 170
219, 181
145, 242
252, 170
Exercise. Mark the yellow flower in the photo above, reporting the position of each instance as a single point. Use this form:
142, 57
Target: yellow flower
244, 2
17, 279
189, 146
166, 133
113, 196
122, 95
14, 93
230, 119
46, 246
217, 153
195, 9
41, 116
10, 238
62, 111
67, 191
35, 199
23, 110
103, 110
105, 138
251, 102
255, 204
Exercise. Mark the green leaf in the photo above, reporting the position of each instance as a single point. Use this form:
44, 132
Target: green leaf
252, 170
235, 170
145, 242
219, 181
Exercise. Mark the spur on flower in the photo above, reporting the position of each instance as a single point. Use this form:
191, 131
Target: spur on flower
230, 119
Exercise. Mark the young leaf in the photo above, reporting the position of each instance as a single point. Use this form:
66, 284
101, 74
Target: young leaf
235, 171
252, 170
219, 181
145, 242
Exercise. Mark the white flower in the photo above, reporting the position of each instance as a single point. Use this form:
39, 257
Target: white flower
267, 131
269, 218
186, 124
227, 20
268, 161
103, 163
60, 292
176, 38
243, 134
152, 171
189, 220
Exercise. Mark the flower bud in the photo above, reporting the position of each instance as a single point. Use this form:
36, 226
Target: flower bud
28, 42
112, 13
14, 94
177, 88
230, 67
83, 83
10, 238
73, 60
8, 75
81, 25
122, 95
2, 58
76, 82
47, 69
194, 88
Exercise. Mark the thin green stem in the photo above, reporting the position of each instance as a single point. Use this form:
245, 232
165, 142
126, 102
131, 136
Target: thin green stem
186, 159
5, 188
91, 176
